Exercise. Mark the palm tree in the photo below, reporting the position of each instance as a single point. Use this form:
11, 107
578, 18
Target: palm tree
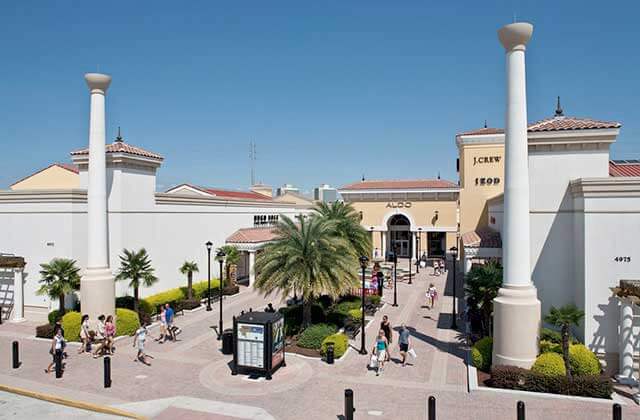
59, 277
482, 284
309, 259
232, 256
347, 224
136, 267
565, 317
188, 268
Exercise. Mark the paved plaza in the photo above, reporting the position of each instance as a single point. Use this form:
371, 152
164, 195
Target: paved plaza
191, 378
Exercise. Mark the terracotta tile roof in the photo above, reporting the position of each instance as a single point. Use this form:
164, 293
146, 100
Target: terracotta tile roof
624, 167
400, 184
246, 195
252, 235
482, 238
122, 147
551, 124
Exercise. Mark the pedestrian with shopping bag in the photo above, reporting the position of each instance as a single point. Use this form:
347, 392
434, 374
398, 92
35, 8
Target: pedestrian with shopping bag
404, 343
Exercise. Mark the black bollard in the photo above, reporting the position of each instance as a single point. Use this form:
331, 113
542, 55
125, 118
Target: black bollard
348, 404
617, 411
520, 407
58, 359
107, 372
16, 355
432, 408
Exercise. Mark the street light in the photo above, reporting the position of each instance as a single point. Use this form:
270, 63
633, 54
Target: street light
363, 264
209, 245
418, 251
410, 252
220, 256
395, 275
454, 256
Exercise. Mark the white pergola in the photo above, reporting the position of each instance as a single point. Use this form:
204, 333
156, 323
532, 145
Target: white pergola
627, 295
11, 265
250, 241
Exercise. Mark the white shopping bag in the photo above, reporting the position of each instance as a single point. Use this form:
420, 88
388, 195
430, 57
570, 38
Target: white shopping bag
412, 353
373, 363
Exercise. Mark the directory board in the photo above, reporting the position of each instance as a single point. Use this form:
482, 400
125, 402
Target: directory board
251, 345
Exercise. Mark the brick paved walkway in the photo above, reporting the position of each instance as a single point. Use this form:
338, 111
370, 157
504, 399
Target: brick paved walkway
191, 378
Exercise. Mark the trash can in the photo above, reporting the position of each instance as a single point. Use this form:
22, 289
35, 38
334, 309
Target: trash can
330, 353
227, 341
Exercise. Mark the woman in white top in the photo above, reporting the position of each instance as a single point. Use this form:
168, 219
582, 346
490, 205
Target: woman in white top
84, 333
57, 348
139, 340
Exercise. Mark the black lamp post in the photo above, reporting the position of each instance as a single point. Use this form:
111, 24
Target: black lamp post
380, 276
363, 264
410, 252
395, 275
220, 256
209, 245
454, 256
418, 251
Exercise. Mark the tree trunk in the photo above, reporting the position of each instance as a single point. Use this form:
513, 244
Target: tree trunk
61, 308
189, 285
135, 299
306, 313
565, 350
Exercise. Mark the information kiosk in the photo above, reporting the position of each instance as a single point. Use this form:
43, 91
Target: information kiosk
259, 343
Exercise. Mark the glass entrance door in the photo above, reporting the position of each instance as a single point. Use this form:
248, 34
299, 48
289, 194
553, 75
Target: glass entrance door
435, 244
401, 239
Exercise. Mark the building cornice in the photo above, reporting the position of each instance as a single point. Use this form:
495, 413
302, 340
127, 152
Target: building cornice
606, 187
44, 196
189, 200
401, 191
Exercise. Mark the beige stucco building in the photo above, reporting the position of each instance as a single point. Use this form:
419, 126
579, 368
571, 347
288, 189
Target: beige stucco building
54, 176
419, 216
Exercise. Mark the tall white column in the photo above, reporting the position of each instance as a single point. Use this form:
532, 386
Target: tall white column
18, 295
517, 308
97, 287
625, 375
384, 244
252, 263
412, 256
467, 264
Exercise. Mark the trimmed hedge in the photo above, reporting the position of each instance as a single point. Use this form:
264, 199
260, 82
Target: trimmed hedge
355, 315
127, 322
293, 317
340, 344
550, 364
345, 306
169, 296
481, 353
53, 316
71, 325
550, 347
511, 377
45, 331
583, 361
373, 300
312, 337
190, 304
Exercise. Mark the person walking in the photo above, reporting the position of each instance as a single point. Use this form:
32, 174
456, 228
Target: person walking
270, 308
385, 326
109, 334
139, 340
163, 325
433, 295
169, 314
85, 336
380, 350
404, 342
99, 338
58, 345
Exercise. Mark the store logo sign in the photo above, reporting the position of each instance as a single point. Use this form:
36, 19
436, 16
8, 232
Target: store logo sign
487, 181
399, 205
486, 159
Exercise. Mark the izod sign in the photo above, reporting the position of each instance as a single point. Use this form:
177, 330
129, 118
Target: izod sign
486, 159
398, 204
487, 181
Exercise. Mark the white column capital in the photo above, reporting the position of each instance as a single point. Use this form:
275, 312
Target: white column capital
97, 82
514, 37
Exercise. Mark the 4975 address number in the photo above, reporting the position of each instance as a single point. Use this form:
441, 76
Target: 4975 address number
622, 259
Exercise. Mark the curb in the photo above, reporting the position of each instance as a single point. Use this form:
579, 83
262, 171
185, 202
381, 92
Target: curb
71, 403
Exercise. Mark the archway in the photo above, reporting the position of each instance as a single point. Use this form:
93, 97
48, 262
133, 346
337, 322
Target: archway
399, 228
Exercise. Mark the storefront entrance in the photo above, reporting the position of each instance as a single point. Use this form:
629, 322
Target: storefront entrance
400, 236
436, 244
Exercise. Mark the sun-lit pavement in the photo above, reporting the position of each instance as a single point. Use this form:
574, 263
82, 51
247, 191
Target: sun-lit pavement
191, 378
13, 406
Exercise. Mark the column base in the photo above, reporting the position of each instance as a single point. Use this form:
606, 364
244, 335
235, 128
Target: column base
97, 292
626, 380
17, 320
516, 326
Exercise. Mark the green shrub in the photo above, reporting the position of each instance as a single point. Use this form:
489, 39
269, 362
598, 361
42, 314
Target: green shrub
373, 300
312, 337
340, 344
325, 301
481, 353
553, 336
355, 315
200, 289
550, 364
127, 322
71, 326
126, 302
168, 296
45, 331
345, 306
583, 361
53, 316
337, 318
550, 347
293, 317
188, 304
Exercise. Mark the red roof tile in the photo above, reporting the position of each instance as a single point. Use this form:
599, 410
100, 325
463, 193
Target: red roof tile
400, 184
482, 131
122, 147
624, 167
252, 235
552, 124
482, 238
217, 192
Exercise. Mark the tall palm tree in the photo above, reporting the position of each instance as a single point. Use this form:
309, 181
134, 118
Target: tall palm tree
565, 317
482, 284
309, 259
347, 224
231, 258
59, 277
136, 267
188, 268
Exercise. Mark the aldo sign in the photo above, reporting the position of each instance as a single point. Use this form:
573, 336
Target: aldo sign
399, 205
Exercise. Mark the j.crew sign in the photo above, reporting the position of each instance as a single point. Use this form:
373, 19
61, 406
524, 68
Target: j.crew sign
399, 205
486, 159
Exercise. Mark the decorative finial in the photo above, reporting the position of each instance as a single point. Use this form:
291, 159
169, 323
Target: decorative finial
559, 111
438, 174
362, 177
119, 137
485, 123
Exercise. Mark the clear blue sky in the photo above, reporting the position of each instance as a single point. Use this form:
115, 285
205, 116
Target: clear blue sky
328, 90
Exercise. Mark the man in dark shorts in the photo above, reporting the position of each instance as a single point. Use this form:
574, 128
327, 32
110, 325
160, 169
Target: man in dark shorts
403, 342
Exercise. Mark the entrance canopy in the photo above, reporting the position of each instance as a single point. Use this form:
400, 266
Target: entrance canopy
481, 245
249, 241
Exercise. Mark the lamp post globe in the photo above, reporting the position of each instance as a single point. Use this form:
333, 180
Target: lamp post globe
220, 255
208, 245
454, 256
364, 261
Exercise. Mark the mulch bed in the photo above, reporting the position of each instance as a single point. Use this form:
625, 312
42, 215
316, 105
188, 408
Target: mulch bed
292, 347
483, 378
